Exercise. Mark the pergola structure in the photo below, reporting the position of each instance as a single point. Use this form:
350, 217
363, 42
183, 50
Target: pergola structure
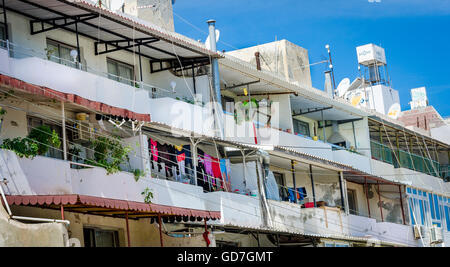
410, 149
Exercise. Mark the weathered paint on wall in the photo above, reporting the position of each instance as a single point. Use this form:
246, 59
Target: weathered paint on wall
142, 232
16, 234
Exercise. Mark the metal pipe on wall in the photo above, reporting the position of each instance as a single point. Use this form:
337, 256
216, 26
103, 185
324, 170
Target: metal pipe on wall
160, 231
214, 61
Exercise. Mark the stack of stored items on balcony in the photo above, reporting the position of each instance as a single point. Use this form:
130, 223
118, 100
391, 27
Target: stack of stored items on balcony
176, 162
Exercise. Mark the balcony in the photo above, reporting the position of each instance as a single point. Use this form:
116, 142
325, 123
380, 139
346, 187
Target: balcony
47, 176
403, 159
384, 231
74, 78
245, 211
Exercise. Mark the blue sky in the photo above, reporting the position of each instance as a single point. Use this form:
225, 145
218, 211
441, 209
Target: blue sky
415, 34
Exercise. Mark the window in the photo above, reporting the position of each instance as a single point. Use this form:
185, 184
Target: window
60, 53
419, 207
34, 122
352, 201
2, 31
2, 34
301, 127
228, 105
120, 72
279, 178
100, 238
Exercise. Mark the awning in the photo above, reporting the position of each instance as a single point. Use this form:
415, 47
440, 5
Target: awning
359, 177
109, 207
71, 98
117, 30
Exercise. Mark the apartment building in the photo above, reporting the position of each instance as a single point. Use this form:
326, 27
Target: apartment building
112, 136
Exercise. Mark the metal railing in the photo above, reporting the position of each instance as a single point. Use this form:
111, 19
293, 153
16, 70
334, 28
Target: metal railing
381, 152
403, 159
20, 52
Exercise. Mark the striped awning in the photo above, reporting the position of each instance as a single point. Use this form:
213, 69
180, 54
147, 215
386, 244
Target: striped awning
108, 207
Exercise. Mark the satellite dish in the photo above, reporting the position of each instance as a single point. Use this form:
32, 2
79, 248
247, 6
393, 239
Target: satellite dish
208, 40
343, 87
394, 111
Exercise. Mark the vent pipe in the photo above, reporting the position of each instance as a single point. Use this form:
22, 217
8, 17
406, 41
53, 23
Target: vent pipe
216, 79
215, 62
258, 60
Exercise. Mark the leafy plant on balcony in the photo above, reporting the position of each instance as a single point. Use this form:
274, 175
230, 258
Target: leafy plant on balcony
138, 174
148, 195
45, 138
109, 153
38, 142
23, 147
49, 52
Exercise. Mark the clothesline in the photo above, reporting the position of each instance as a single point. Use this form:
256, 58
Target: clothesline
178, 163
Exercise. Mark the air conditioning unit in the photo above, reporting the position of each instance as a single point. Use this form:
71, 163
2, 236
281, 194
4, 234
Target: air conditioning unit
82, 132
418, 231
435, 235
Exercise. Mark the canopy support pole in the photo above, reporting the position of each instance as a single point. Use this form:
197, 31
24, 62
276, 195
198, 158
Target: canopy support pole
312, 185
128, 230
401, 204
294, 181
160, 231
63, 115
367, 195
379, 202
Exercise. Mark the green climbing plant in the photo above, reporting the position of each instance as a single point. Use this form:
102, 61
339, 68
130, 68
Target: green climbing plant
38, 142
23, 147
109, 153
44, 138
138, 174
148, 195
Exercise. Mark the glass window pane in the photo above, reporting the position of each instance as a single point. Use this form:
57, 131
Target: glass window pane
52, 52
422, 214
126, 73
104, 239
66, 59
301, 127
112, 70
436, 208
447, 217
411, 212
433, 215
2, 32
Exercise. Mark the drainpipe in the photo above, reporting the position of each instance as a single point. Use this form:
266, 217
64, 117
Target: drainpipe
27, 218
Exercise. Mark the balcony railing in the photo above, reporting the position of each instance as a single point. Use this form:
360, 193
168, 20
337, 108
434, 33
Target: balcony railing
403, 159
381, 152
20, 52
